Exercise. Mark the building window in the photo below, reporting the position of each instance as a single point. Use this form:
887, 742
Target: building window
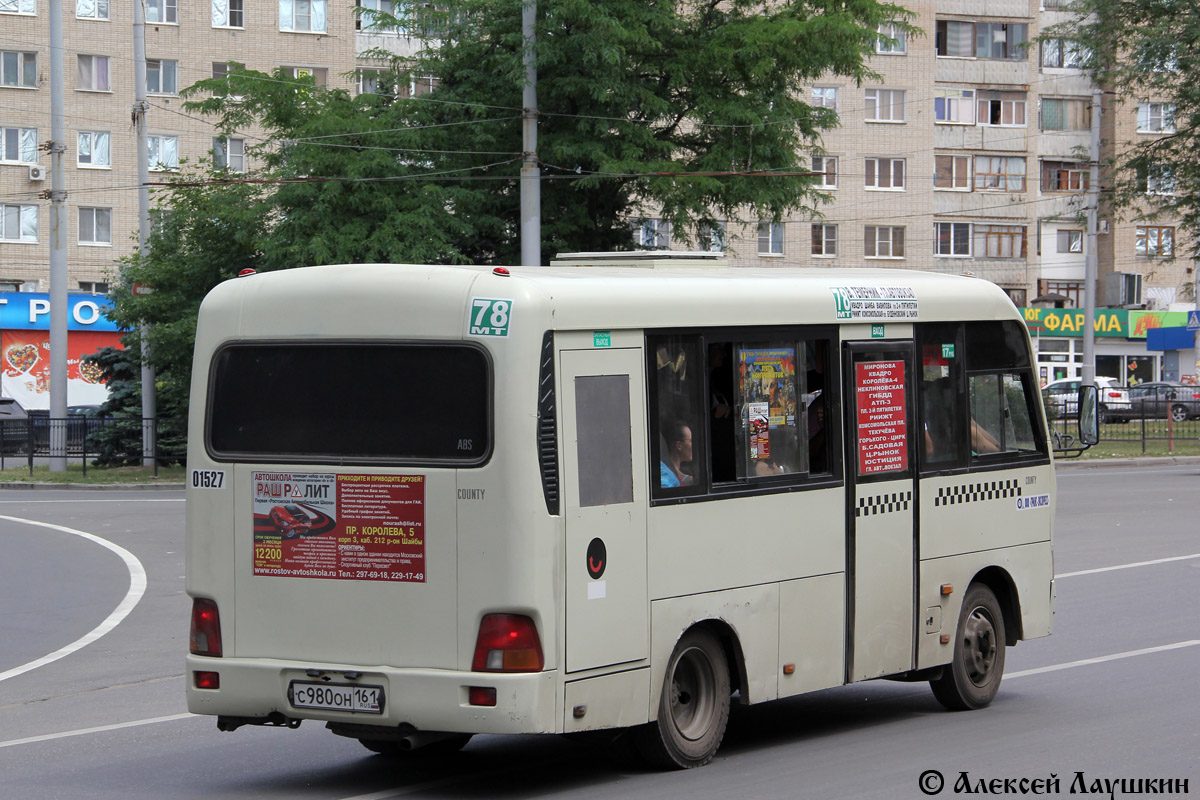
163, 11
770, 238
93, 149
18, 145
375, 81
952, 173
955, 39
653, 234
162, 77
712, 237
95, 226
305, 16
93, 73
91, 9
1017, 296
893, 40
1063, 114
18, 223
880, 241
164, 153
229, 154
18, 68
1072, 290
824, 240
825, 97
1153, 240
1069, 241
1156, 179
421, 84
1002, 108
827, 166
228, 14
94, 287
952, 238
1061, 53
999, 241
318, 74
885, 105
1156, 118
1001, 40
954, 106
999, 174
1064, 176
885, 173
28, 7
369, 19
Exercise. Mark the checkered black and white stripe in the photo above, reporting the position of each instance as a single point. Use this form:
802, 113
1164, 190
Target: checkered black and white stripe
977, 492
883, 504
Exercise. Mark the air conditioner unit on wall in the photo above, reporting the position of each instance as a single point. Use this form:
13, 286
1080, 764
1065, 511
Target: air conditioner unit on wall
37, 172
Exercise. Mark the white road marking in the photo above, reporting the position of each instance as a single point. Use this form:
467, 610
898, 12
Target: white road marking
98, 729
90, 501
137, 587
1008, 676
1127, 566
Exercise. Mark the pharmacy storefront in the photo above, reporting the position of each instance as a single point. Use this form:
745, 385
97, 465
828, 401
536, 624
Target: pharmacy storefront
1121, 344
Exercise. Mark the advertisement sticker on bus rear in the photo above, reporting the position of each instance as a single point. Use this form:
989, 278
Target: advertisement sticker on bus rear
340, 527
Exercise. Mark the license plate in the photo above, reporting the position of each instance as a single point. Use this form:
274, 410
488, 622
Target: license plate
336, 697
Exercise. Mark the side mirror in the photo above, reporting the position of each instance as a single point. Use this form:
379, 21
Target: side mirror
1089, 419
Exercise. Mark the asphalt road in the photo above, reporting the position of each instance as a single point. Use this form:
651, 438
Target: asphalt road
1112, 694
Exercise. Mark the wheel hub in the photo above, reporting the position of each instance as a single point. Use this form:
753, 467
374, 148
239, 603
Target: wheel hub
979, 647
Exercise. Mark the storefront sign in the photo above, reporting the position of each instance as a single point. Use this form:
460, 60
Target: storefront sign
1112, 322
31, 311
882, 421
1142, 321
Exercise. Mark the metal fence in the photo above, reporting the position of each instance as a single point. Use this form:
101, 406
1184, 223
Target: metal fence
1138, 425
117, 439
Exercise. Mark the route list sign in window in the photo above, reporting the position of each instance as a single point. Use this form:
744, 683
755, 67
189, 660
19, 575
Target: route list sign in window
882, 428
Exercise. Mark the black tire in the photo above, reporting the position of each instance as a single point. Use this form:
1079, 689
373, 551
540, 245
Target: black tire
694, 708
972, 678
393, 749
1179, 413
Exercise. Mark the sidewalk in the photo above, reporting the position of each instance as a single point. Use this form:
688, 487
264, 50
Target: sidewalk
1105, 463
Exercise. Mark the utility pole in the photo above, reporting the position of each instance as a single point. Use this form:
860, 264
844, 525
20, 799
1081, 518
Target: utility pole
58, 249
1091, 263
531, 189
143, 155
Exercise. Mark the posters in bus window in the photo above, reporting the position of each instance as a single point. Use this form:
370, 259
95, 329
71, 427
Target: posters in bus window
768, 383
338, 526
882, 417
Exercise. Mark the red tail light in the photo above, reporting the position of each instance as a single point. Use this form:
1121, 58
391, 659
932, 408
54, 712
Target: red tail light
1114, 395
206, 628
507, 643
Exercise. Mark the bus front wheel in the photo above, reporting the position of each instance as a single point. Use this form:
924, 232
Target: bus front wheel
694, 708
972, 679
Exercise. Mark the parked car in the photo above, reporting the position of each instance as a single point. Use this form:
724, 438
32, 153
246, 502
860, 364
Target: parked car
1156, 399
14, 427
1062, 397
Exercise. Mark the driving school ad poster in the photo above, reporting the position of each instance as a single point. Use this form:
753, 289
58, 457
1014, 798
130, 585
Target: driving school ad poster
339, 527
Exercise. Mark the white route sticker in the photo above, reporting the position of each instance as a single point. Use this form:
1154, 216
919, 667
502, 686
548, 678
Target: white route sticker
874, 302
207, 479
1033, 501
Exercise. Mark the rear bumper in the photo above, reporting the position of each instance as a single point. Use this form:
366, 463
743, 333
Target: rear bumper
427, 699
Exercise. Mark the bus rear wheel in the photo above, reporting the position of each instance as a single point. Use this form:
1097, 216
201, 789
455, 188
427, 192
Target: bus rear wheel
972, 679
694, 708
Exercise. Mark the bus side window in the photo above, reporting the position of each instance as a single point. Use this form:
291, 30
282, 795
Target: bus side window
1002, 391
940, 396
678, 439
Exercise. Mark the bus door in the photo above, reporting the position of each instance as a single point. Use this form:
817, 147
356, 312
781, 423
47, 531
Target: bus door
605, 486
881, 532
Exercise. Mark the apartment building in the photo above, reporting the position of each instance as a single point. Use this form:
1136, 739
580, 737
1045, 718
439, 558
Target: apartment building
967, 156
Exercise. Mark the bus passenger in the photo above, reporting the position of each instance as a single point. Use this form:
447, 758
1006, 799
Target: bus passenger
678, 438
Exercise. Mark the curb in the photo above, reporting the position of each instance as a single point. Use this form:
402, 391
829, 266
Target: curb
1146, 461
137, 487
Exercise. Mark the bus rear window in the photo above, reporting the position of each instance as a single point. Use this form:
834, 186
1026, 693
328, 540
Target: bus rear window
350, 402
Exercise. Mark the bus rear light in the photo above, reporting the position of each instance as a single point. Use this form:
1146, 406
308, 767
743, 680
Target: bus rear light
481, 695
206, 628
207, 680
507, 643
